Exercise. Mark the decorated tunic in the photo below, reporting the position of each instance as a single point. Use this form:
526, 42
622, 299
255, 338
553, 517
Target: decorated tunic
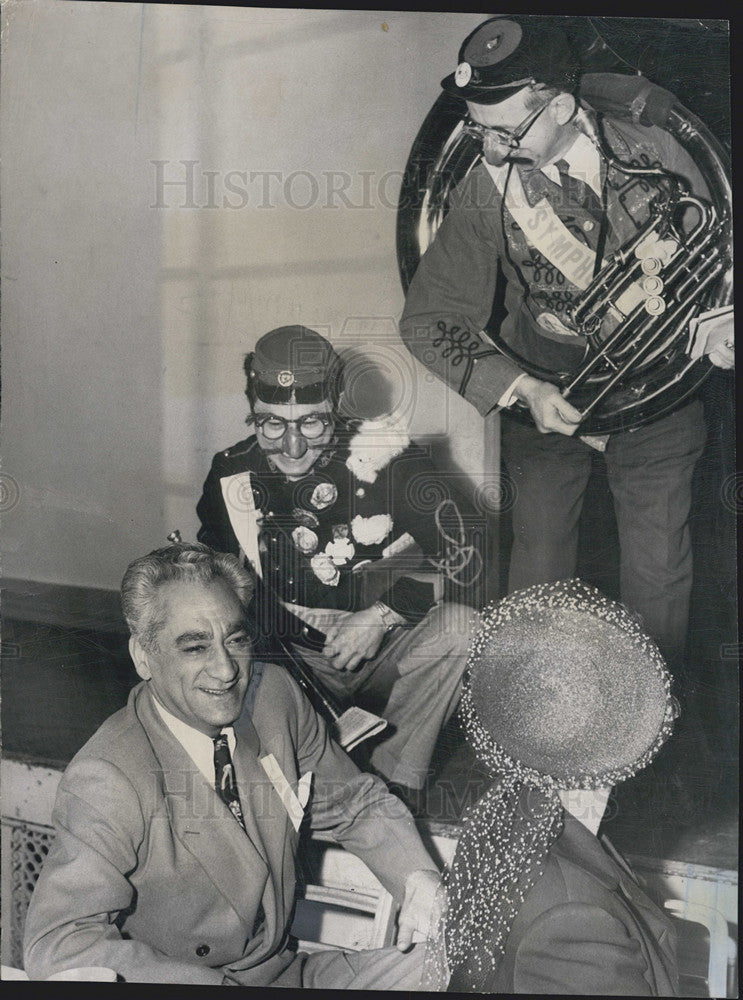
371, 494
480, 243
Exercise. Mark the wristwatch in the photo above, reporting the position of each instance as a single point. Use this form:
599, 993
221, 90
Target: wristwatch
388, 616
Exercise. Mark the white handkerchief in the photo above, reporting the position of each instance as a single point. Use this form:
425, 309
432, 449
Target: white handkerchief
303, 789
293, 803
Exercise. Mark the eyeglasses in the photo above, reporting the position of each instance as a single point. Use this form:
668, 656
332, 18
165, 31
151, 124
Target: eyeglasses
310, 426
509, 137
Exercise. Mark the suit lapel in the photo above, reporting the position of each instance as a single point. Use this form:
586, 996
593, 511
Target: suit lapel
654, 917
235, 863
265, 816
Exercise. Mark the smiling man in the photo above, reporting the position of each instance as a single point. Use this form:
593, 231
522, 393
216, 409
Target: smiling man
316, 502
199, 667
177, 824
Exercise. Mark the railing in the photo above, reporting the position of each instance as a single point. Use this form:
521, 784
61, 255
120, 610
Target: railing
341, 904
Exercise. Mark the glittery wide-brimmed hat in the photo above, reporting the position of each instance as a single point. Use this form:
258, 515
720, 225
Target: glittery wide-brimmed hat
506, 53
565, 685
293, 364
563, 690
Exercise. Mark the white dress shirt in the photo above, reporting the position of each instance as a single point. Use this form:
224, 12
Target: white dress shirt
587, 805
198, 746
583, 162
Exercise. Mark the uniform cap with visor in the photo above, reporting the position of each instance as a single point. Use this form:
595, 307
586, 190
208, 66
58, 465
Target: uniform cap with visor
293, 364
505, 54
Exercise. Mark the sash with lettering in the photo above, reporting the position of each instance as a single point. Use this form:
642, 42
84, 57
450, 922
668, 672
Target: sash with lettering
560, 265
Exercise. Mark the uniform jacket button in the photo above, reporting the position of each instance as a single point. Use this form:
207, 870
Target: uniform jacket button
202, 950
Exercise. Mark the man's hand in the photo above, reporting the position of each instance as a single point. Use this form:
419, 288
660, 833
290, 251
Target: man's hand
550, 410
419, 912
354, 639
724, 355
713, 333
721, 342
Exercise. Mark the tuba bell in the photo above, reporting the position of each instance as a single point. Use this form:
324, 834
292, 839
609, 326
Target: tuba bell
635, 314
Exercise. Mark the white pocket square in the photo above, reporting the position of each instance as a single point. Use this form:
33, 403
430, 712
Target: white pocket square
295, 803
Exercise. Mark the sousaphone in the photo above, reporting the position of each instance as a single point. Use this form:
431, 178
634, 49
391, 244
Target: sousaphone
636, 367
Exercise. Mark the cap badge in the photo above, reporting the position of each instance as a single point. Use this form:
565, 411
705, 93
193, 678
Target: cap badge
285, 379
463, 74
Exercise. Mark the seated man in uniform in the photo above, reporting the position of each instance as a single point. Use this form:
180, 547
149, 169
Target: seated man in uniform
565, 697
177, 824
310, 499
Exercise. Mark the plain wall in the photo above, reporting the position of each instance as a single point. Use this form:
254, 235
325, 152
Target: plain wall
129, 301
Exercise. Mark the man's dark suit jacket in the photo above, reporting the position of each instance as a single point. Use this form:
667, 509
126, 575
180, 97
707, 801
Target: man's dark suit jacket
585, 928
151, 875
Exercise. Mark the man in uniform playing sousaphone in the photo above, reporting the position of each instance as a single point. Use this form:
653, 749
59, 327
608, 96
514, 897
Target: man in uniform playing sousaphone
546, 205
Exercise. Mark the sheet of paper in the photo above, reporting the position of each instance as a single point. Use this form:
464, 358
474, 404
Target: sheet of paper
709, 330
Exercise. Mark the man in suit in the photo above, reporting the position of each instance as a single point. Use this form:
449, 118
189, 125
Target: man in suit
587, 928
565, 696
316, 502
178, 823
545, 204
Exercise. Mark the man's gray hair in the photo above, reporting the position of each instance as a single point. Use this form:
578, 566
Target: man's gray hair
187, 562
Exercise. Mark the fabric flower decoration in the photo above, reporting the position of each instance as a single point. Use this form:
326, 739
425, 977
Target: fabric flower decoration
340, 551
374, 446
306, 517
305, 539
323, 495
371, 530
325, 569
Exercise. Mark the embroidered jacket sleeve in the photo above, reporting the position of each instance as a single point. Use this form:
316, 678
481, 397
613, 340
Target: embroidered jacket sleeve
317, 534
451, 297
427, 506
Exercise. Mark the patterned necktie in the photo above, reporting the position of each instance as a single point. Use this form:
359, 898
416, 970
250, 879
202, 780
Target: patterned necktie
225, 783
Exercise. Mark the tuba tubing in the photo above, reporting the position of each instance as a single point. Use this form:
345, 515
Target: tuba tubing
639, 371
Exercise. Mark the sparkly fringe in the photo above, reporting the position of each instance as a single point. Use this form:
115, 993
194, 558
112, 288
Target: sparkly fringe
500, 856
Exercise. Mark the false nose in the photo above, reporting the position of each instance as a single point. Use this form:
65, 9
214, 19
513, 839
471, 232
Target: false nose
295, 444
495, 151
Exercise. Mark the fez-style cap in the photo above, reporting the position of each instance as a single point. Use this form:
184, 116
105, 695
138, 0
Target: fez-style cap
506, 53
568, 686
294, 364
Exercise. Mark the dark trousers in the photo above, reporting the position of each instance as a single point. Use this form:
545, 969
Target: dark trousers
650, 472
